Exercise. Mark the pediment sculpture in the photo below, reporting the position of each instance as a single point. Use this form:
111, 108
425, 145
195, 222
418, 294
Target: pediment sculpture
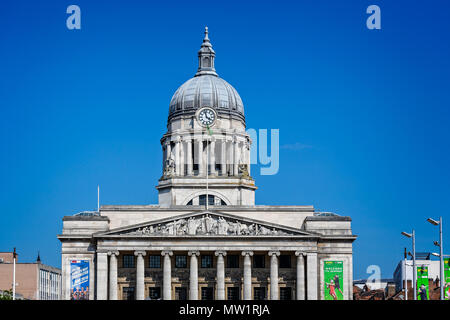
208, 225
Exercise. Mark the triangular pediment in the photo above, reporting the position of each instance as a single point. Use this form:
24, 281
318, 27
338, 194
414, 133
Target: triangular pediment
205, 224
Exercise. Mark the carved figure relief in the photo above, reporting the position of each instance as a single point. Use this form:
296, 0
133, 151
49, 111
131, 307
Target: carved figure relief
207, 225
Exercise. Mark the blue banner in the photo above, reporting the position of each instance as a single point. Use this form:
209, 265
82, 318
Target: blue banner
79, 280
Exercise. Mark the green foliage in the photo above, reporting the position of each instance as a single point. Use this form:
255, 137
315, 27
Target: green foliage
6, 295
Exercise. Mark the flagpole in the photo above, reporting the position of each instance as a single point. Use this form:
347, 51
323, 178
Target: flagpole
207, 168
98, 198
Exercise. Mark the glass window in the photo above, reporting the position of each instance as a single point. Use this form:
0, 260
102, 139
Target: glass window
233, 261
180, 293
128, 261
207, 293
155, 293
285, 294
285, 261
154, 261
259, 293
128, 293
202, 200
259, 261
180, 261
233, 293
207, 261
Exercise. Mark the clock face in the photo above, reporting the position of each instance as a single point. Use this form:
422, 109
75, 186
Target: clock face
206, 116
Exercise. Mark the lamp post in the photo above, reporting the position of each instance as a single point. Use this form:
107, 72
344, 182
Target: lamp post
413, 237
441, 255
14, 274
405, 278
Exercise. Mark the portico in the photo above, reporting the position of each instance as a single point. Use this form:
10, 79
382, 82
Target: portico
142, 284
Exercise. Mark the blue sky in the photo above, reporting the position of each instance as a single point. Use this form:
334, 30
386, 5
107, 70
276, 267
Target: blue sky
363, 114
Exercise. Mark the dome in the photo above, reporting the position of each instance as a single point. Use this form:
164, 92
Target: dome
206, 89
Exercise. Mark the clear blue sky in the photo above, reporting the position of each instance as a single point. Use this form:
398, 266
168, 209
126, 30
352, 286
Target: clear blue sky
363, 115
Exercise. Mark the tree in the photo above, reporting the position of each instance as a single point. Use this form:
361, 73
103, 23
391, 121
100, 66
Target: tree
6, 295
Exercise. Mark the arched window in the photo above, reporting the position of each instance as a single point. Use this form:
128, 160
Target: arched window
212, 201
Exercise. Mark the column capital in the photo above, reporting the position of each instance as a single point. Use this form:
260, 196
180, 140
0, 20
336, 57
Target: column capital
271, 253
247, 253
194, 253
140, 253
110, 253
300, 253
220, 253
166, 253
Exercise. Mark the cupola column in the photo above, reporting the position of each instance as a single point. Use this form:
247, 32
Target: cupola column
200, 157
182, 167
189, 157
235, 157
212, 156
223, 154
168, 150
176, 151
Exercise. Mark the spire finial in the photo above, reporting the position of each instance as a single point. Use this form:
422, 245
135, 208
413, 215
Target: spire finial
206, 34
38, 260
206, 57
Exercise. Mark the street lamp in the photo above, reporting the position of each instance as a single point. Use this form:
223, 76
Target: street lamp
413, 237
438, 255
441, 255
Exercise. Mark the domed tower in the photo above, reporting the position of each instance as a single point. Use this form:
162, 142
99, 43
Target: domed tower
206, 150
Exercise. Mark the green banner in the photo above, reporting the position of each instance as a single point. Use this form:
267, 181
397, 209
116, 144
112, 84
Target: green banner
333, 272
422, 283
447, 279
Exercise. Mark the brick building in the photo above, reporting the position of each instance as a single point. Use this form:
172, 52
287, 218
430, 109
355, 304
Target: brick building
34, 280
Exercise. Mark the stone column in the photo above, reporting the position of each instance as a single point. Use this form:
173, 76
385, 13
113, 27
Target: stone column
140, 274
223, 154
220, 274
168, 150
182, 173
189, 157
274, 274
102, 275
235, 158
201, 171
167, 275
176, 151
212, 153
113, 274
311, 278
247, 155
300, 275
193, 275
247, 274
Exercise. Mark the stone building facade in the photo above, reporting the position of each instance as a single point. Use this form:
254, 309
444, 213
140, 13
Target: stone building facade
206, 239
